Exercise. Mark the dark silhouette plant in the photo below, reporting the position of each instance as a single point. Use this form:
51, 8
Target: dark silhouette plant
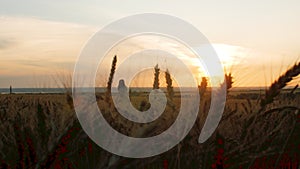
110, 79
280, 83
156, 77
203, 86
169, 82
170, 90
229, 81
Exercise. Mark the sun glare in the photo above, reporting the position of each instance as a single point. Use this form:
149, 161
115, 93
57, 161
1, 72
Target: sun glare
228, 54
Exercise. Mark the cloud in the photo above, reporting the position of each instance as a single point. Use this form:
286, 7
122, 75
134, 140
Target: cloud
232, 55
6, 42
38, 46
35, 46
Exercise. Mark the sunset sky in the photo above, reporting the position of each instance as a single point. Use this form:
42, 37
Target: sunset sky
255, 40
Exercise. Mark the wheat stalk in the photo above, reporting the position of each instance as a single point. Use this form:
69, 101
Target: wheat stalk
170, 90
169, 85
203, 86
156, 78
229, 81
271, 93
110, 80
280, 83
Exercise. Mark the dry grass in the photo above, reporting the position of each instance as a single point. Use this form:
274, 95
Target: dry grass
41, 131
58, 139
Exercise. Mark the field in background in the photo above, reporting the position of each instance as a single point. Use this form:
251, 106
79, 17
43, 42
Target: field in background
42, 131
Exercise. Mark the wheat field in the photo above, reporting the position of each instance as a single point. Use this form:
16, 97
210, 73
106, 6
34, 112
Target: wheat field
42, 131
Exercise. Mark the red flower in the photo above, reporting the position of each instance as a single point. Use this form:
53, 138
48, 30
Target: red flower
220, 141
165, 164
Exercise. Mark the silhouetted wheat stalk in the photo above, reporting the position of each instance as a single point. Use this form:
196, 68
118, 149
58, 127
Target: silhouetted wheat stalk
110, 79
156, 77
273, 91
169, 85
294, 89
280, 83
170, 90
203, 86
229, 81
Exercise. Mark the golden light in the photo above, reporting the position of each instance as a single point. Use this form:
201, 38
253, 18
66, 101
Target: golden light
229, 55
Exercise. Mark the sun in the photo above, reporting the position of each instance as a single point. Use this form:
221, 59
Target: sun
229, 55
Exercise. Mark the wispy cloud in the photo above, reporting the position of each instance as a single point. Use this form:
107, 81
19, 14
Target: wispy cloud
32, 45
6, 42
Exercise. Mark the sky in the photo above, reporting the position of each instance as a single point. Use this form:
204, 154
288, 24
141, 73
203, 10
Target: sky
255, 40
